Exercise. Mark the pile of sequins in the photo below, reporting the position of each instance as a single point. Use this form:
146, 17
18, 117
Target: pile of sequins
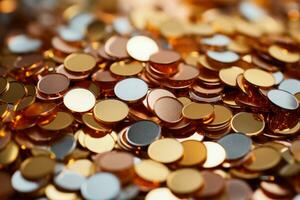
192, 102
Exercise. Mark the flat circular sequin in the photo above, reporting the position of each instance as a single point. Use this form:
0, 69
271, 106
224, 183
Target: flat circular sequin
143, 133
197, 111
110, 111
165, 150
264, 158
84, 167
168, 109
236, 145
79, 62
248, 123
141, 47
151, 171
131, 89
53, 84
194, 153
115, 161
216, 154
259, 77
176, 178
37, 167
101, 186
79, 100
229, 75
283, 99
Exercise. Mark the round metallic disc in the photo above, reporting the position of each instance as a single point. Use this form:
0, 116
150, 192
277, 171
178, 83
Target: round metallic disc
23, 103
141, 47
9, 154
216, 40
38, 167
165, 57
3, 84
90, 121
295, 149
143, 133
279, 77
79, 100
64, 146
61, 121
176, 178
126, 69
223, 57
283, 99
38, 109
247, 123
283, 55
238, 189
222, 115
131, 89
110, 111
115, 161
99, 145
276, 189
185, 73
259, 77
236, 145
194, 153
168, 109
264, 158
229, 75
20, 184
161, 193
151, 170
101, 186
115, 46
214, 184
198, 111
184, 100
79, 62
216, 154
53, 84
85, 167
155, 94
15, 92
165, 150
290, 85
52, 192
69, 180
